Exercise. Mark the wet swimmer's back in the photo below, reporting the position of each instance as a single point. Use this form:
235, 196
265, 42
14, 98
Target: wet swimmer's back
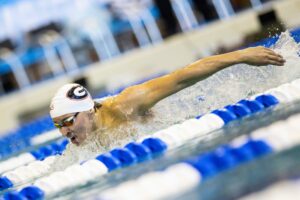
77, 115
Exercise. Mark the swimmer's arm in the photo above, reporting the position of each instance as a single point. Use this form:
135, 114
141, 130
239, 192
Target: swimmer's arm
142, 97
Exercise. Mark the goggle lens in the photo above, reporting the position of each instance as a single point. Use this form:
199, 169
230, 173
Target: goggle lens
67, 122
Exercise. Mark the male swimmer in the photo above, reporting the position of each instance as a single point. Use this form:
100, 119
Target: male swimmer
76, 114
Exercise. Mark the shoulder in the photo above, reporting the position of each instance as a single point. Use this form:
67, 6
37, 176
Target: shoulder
112, 107
123, 105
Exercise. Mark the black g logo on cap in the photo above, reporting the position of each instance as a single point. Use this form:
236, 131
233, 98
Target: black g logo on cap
77, 92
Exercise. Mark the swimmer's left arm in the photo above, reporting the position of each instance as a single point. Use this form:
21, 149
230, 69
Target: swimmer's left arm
142, 97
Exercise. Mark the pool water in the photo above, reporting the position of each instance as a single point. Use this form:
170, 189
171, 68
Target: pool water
240, 82
230, 184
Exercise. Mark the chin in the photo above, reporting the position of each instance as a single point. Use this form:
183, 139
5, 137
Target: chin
81, 142
76, 143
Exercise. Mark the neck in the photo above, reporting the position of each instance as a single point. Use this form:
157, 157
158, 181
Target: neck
94, 122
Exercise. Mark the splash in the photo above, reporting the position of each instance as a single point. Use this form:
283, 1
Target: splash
75, 154
98, 142
223, 88
230, 85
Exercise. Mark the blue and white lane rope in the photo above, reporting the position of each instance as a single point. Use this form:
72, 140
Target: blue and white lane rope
178, 134
138, 152
284, 93
172, 137
45, 137
118, 158
38, 163
28, 157
182, 177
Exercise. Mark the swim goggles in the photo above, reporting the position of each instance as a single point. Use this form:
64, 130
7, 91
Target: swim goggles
66, 122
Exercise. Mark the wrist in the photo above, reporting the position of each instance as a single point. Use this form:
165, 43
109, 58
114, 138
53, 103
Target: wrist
240, 56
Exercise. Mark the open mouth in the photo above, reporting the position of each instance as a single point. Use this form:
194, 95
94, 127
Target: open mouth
74, 140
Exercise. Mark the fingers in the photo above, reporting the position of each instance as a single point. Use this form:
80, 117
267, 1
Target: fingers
264, 56
278, 59
271, 52
274, 62
273, 57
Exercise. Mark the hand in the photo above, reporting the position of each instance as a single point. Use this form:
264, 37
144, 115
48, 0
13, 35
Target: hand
260, 56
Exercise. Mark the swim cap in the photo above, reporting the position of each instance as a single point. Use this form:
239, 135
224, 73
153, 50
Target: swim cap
70, 98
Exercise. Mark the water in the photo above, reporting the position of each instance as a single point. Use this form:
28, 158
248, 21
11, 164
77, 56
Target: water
223, 88
248, 178
231, 84
229, 184
239, 81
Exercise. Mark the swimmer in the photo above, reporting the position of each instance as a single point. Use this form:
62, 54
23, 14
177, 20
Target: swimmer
76, 114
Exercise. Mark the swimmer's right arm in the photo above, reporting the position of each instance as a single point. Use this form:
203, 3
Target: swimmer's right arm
140, 98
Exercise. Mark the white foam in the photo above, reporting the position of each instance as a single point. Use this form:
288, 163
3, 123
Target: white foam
225, 87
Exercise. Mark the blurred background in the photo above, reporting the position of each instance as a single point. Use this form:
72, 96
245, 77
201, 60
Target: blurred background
107, 45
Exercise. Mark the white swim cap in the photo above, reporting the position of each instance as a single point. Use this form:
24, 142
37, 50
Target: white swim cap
70, 98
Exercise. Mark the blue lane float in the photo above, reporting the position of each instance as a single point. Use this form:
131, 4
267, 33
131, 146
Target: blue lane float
225, 114
192, 172
141, 151
211, 164
38, 155
253, 105
109, 161
125, 156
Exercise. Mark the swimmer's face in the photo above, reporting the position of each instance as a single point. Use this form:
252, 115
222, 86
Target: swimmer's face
75, 126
